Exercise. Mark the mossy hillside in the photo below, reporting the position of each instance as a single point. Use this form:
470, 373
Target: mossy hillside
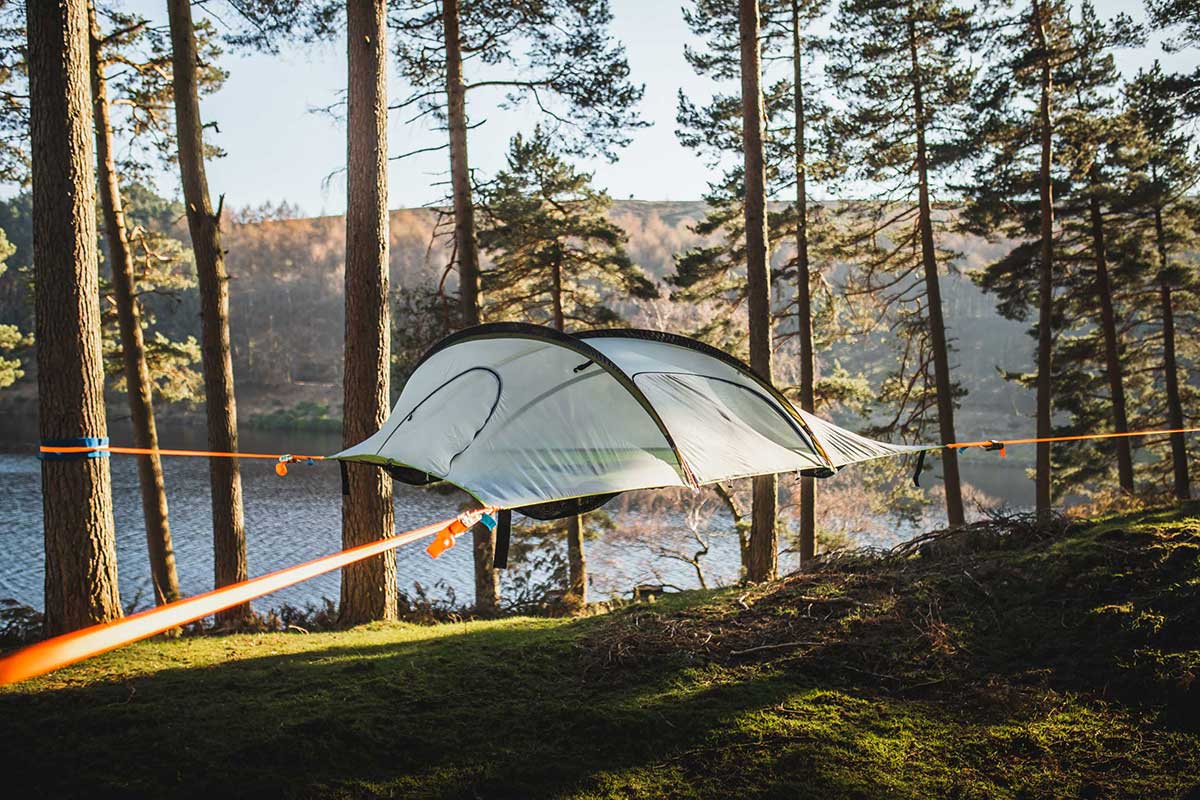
1007, 661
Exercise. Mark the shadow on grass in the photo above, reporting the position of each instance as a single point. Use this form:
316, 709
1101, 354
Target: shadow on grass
507, 709
491, 712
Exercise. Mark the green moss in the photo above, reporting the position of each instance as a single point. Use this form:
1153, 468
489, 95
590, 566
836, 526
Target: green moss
1050, 668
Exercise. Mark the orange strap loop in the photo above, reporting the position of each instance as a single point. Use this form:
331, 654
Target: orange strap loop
992, 443
70, 648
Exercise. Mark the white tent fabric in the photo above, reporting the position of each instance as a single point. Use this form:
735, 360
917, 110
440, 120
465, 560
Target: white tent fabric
521, 415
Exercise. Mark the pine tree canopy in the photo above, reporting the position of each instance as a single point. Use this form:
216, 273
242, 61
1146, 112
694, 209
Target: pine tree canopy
556, 257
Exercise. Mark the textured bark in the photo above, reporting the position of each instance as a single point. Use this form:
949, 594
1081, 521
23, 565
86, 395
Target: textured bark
487, 577
81, 561
577, 578
369, 590
763, 535
933, 294
133, 349
560, 317
1179, 460
229, 530
808, 510
466, 246
576, 563
487, 580
1112, 358
1045, 272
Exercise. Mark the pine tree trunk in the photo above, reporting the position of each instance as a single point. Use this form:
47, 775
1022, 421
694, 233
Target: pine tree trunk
133, 349
576, 564
1179, 460
229, 530
933, 294
808, 510
577, 578
460, 171
487, 579
763, 551
1112, 357
1045, 273
556, 297
81, 561
369, 590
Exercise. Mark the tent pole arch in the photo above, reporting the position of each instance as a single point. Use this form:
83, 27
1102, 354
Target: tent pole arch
720, 355
522, 330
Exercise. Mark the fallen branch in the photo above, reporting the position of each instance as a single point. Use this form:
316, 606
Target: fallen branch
804, 598
770, 647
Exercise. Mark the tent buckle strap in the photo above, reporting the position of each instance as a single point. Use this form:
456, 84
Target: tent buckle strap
993, 445
818, 472
503, 528
443, 540
287, 458
920, 467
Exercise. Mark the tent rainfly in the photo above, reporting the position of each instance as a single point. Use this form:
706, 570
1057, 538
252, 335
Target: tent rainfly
550, 424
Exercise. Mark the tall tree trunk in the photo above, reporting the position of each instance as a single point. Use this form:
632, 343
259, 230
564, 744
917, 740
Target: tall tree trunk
808, 510
229, 530
1045, 271
763, 550
1179, 459
576, 564
369, 590
487, 579
577, 578
466, 246
81, 560
556, 297
133, 349
1112, 358
933, 293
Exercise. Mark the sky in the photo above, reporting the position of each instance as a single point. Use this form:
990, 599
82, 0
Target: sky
279, 146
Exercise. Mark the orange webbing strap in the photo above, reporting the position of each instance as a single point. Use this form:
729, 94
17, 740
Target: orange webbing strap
999, 444
146, 451
43, 657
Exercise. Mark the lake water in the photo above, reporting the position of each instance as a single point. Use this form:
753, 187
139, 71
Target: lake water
298, 517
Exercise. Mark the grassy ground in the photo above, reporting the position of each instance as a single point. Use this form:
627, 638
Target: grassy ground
1002, 662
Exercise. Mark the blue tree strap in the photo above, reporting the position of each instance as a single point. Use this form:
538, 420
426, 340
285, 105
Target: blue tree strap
83, 441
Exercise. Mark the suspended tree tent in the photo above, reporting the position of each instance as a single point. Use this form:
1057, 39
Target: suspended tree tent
525, 417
